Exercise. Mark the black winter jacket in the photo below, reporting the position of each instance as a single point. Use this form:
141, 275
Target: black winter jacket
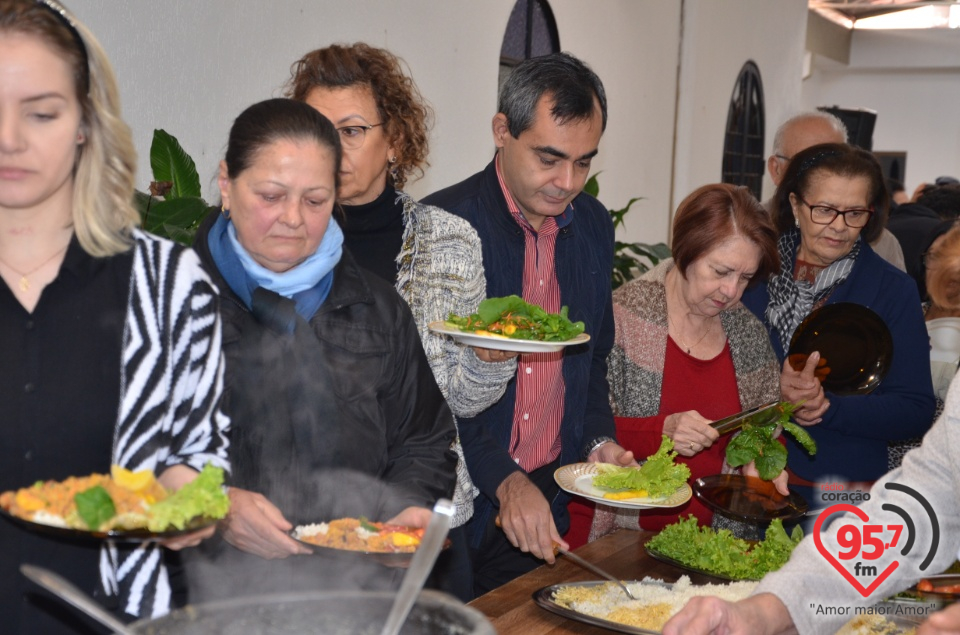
351, 389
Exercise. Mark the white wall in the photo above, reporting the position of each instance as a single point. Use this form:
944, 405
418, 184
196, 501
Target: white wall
912, 80
190, 67
718, 37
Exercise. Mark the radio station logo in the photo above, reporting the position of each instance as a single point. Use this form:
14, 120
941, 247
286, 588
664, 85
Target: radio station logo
860, 546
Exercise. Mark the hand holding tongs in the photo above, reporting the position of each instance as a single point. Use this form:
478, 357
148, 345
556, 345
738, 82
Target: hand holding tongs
756, 416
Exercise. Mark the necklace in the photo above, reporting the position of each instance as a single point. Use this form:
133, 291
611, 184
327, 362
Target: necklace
681, 341
24, 275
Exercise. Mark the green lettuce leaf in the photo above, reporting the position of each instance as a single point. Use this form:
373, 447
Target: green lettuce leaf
658, 476
722, 553
755, 442
203, 496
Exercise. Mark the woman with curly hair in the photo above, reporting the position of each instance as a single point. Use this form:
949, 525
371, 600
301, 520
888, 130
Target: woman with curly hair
432, 257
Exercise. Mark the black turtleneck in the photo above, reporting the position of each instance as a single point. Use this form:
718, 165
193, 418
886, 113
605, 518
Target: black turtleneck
373, 232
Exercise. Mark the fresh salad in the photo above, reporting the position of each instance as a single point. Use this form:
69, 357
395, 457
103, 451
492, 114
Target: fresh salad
122, 500
514, 318
659, 476
756, 443
721, 553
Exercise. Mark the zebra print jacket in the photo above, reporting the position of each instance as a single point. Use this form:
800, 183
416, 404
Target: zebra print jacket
169, 411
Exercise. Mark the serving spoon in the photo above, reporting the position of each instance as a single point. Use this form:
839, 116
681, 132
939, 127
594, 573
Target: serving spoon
67, 591
589, 566
420, 565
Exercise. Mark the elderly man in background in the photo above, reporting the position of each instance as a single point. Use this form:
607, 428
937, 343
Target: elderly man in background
544, 239
809, 129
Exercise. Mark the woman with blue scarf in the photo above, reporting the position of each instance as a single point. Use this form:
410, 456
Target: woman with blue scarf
831, 203
335, 409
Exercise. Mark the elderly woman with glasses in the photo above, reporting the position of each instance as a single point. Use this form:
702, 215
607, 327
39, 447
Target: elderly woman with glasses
830, 204
432, 257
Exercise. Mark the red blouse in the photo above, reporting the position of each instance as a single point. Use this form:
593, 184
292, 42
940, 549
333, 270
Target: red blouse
708, 386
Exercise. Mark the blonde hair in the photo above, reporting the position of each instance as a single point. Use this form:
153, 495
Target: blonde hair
104, 173
943, 270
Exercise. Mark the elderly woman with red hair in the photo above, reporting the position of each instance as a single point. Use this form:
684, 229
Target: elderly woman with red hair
686, 351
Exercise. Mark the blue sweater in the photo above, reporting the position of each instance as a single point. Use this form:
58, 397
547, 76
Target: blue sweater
852, 438
583, 261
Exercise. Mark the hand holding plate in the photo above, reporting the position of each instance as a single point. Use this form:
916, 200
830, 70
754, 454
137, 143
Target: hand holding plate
256, 526
801, 386
610, 452
493, 356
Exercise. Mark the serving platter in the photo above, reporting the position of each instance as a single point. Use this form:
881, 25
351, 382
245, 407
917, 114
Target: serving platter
577, 479
656, 555
117, 535
544, 599
855, 346
500, 343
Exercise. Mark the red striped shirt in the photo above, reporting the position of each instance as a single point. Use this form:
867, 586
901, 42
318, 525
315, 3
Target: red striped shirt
538, 410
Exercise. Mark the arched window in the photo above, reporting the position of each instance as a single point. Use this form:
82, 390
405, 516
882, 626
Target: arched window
531, 32
743, 160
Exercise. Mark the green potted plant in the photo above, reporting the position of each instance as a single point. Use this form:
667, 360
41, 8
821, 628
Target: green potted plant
173, 208
629, 259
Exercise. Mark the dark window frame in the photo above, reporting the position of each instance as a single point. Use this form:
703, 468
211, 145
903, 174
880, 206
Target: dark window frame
744, 161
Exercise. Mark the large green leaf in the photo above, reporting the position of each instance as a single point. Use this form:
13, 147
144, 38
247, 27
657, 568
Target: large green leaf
176, 219
170, 162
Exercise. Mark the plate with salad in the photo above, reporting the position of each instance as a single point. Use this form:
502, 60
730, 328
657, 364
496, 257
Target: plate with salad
124, 505
659, 483
512, 324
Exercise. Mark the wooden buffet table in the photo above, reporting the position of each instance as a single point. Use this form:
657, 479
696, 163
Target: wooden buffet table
511, 609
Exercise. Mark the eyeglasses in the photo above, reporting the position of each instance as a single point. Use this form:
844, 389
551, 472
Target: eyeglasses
782, 158
824, 215
351, 137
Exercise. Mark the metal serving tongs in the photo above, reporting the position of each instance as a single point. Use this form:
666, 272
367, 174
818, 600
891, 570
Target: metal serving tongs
757, 416
589, 566
420, 566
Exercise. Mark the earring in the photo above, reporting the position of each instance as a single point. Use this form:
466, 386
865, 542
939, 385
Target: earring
225, 212
80, 138
392, 159
796, 221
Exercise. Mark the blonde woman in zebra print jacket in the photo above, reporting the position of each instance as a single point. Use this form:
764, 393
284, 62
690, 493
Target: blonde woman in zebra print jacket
109, 338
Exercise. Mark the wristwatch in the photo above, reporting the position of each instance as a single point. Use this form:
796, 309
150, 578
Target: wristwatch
589, 448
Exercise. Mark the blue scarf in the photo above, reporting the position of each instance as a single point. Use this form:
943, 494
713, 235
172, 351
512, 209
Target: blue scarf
307, 284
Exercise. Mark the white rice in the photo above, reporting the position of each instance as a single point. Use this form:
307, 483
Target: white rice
305, 531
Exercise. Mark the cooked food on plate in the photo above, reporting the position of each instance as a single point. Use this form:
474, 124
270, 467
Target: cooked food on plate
720, 552
657, 602
359, 534
122, 500
513, 318
658, 476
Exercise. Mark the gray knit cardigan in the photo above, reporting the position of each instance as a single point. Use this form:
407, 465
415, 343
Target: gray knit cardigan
635, 365
441, 271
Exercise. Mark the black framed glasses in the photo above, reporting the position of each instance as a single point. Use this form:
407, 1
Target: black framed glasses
824, 215
352, 136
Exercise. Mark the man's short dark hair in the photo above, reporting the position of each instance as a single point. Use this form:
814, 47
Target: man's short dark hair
943, 199
570, 83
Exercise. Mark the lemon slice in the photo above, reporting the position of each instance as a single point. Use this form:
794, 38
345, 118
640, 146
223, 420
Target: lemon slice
133, 481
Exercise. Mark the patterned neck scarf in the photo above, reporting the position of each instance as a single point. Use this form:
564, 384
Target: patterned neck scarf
792, 300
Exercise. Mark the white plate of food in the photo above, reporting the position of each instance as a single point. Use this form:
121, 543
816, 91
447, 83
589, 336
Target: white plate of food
577, 479
502, 343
